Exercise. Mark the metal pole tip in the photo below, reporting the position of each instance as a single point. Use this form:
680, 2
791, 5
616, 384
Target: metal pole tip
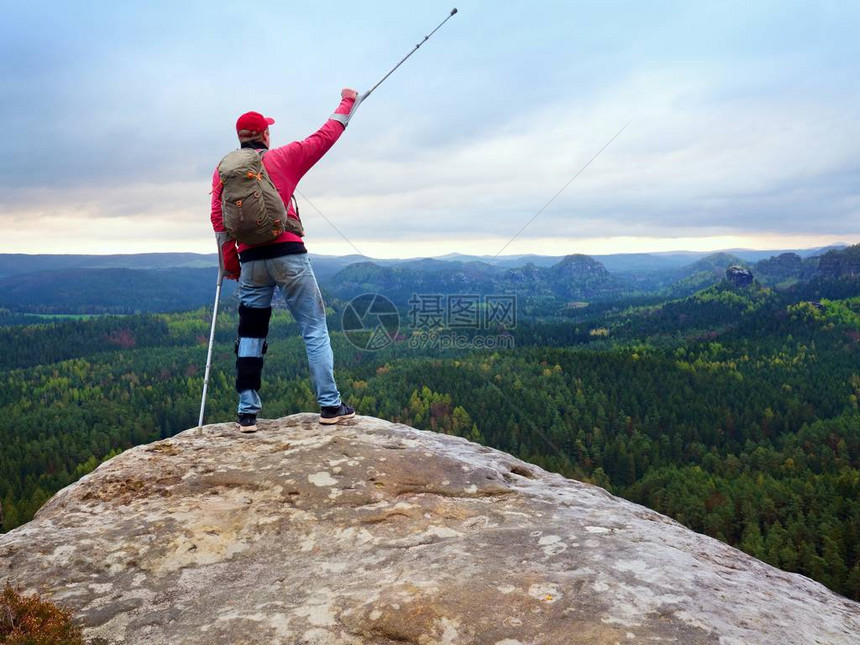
453, 11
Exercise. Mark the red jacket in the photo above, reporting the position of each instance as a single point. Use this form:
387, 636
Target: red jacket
286, 165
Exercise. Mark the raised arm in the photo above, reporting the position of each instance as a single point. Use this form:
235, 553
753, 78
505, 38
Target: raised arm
301, 156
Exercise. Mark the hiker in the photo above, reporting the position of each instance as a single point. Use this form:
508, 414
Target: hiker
280, 262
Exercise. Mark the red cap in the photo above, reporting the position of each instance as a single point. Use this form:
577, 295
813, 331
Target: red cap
253, 122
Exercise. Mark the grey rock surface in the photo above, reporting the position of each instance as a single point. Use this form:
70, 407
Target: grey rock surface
739, 276
373, 532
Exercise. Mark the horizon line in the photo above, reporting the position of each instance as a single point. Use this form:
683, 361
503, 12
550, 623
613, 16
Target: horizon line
457, 253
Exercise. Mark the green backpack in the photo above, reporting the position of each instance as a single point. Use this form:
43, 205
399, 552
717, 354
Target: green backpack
252, 209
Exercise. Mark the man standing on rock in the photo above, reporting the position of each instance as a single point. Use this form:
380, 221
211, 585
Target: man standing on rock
281, 262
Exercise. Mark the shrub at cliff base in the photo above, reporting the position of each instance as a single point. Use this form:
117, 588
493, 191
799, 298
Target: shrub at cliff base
29, 620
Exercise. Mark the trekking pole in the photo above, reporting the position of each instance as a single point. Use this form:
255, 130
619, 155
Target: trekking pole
361, 97
211, 340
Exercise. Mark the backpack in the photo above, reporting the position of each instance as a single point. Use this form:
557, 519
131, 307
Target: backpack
253, 211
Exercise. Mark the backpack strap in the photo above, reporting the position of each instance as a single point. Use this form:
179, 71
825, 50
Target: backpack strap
262, 152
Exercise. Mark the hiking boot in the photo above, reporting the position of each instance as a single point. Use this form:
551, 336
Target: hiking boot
247, 423
331, 415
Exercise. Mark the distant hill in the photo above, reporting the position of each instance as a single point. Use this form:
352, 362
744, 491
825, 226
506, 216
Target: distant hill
701, 274
505, 261
176, 281
715, 263
639, 263
844, 263
752, 255
19, 263
115, 291
788, 268
400, 281
582, 277
783, 269
573, 277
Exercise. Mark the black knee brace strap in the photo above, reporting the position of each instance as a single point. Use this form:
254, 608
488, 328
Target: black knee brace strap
254, 321
249, 370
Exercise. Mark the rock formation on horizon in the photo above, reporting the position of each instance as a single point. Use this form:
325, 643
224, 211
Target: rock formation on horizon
739, 276
377, 533
842, 263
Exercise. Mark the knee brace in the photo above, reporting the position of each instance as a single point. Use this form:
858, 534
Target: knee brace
250, 346
254, 321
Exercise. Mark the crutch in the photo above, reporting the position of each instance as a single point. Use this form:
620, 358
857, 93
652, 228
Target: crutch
361, 97
211, 337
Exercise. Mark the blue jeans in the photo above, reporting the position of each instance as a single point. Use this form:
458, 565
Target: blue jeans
293, 275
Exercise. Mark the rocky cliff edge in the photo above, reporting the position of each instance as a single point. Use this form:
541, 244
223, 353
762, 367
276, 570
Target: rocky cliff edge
374, 532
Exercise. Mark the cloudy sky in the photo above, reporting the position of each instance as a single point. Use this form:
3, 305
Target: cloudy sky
744, 123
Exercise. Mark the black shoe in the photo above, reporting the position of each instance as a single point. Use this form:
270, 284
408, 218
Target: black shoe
247, 423
331, 415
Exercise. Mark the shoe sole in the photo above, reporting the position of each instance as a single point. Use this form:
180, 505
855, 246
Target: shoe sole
333, 420
246, 429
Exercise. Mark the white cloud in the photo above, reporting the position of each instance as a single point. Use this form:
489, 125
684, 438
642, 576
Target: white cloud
738, 143
687, 162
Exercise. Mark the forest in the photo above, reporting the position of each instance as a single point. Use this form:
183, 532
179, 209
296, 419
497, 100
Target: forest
734, 410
